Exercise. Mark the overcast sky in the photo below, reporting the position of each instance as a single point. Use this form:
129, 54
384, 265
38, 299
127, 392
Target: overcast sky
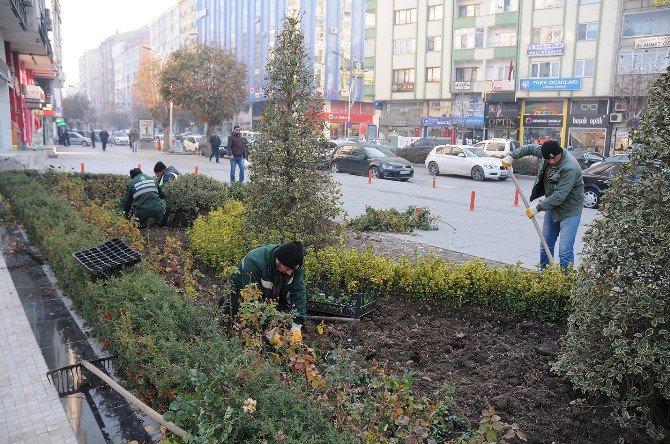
86, 23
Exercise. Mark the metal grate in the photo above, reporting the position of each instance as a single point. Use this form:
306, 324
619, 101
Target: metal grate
107, 258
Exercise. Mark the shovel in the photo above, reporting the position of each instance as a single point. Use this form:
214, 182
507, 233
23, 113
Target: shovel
527, 204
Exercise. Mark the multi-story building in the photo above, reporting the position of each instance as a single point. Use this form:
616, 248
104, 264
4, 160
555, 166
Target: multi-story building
335, 37
164, 32
30, 76
90, 77
188, 22
127, 61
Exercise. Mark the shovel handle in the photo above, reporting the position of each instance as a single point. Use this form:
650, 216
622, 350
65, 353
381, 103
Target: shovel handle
537, 226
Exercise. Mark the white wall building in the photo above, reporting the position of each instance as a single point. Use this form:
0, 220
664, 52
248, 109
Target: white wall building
90, 77
164, 32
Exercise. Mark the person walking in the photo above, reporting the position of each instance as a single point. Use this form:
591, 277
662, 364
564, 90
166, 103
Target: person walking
559, 179
165, 174
278, 272
132, 140
143, 199
215, 141
104, 137
237, 153
92, 139
66, 138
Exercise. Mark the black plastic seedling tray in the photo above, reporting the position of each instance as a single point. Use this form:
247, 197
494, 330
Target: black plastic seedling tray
107, 258
354, 305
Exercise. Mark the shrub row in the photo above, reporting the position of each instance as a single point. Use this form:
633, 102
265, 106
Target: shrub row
159, 337
405, 221
544, 295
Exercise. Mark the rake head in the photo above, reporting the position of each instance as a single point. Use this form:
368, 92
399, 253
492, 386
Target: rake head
72, 378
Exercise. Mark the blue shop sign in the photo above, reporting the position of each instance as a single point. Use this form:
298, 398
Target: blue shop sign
452, 121
551, 84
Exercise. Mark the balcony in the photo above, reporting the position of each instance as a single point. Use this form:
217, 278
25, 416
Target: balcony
19, 9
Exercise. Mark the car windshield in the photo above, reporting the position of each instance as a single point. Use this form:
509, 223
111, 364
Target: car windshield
475, 152
119, 133
378, 152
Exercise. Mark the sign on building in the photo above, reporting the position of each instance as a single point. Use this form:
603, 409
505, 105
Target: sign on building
402, 87
462, 86
546, 49
653, 42
660, 2
146, 129
551, 84
502, 85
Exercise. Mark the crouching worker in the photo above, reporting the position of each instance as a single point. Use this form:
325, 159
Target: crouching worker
143, 199
277, 270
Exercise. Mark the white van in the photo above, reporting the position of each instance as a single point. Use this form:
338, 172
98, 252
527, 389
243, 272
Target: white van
498, 147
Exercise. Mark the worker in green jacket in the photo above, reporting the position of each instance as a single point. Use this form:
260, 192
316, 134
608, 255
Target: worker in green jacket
143, 199
277, 270
559, 179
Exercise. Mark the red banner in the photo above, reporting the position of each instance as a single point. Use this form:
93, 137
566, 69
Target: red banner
342, 117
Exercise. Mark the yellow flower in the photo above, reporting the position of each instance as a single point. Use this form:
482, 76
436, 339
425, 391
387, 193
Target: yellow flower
249, 405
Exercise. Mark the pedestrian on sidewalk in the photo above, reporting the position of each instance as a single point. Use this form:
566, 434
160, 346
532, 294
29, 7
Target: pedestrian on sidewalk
215, 141
92, 139
559, 179
66, 138
237, 153
133, 137
104, 137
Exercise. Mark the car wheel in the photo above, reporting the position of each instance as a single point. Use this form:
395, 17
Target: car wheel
477, 173
591, 198
433, 169
503, 178
334, 168
84, 143
375, 172
404, 180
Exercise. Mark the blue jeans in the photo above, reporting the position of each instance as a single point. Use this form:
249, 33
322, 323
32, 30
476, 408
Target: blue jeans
568, 231
239, 161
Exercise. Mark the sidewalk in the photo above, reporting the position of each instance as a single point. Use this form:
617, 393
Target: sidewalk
30, 409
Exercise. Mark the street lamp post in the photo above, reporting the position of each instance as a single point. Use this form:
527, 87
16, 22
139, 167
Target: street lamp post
352, 82
162, 57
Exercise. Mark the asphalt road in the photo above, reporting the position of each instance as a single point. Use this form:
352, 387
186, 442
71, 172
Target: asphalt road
495, 230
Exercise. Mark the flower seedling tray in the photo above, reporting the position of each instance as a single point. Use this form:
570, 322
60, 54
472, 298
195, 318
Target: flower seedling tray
107, 258
353, 305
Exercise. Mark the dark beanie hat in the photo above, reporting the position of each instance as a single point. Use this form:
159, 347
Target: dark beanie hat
551, 149
160, 166
134, 172
291, 254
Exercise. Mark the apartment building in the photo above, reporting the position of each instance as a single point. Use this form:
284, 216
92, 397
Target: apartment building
335, 37
164, 32
90, 77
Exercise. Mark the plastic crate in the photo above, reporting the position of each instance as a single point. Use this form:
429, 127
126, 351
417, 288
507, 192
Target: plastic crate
107, 258
354, 305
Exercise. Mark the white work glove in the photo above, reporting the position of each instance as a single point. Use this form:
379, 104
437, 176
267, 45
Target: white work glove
274, 338
507, 161
296, 334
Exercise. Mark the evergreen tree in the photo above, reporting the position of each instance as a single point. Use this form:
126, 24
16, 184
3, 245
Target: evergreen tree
290, 196
617, 348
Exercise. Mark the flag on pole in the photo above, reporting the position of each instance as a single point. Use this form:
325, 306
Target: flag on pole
510, 75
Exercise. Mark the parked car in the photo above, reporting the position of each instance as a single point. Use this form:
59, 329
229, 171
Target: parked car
417, 151
465, 160
358, 159
78, 139
120, 138
191, 143
498, 147
587, 158
597, 178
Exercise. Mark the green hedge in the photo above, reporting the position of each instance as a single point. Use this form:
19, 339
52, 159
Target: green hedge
159, 337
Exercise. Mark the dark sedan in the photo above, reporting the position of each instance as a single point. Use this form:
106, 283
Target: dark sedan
587, 158
597, 179
357, 159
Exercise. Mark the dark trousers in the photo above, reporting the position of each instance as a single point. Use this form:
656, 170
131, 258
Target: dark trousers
215, 152
104, 145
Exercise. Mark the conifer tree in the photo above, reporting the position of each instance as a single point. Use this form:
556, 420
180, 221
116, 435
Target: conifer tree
290, 195
617, 348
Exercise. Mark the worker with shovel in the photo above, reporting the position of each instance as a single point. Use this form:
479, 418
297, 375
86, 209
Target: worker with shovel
559, 179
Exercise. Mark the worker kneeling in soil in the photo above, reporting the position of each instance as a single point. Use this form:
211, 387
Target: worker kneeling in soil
277, 270
143, 199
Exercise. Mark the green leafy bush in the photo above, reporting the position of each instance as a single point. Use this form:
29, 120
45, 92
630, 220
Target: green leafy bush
526, 166
219, 238
396, 221
520, 292
192, 195
618, 343
414, 155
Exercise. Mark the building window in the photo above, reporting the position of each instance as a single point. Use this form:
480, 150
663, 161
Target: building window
370, 19
644, 60
466, 74
468, 10
499, 38
585, 67
544, 69
587, 31
404, 46
434, 43
404, 16
433, 74
646, 23
370, 47
543, 4
586, 2
501, 6
435, 12
403, 75
547, 34
467, 38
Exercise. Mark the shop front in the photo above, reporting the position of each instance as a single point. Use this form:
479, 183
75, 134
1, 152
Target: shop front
466, 130
588, 125
357, 119
543, 121
502, 120
405, 127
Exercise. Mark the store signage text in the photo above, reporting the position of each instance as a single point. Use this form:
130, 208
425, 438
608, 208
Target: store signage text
653, 42
402, 87
543, 121
600, 121
551, 84
546, 49
452, 121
